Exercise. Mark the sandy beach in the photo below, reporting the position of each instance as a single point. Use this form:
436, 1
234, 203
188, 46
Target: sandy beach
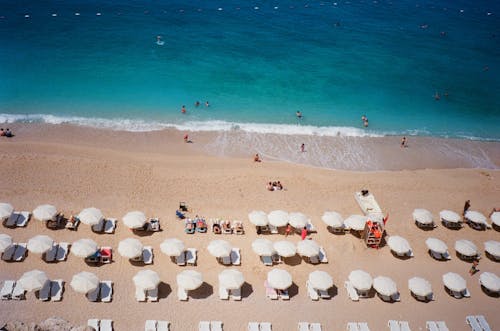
75, 167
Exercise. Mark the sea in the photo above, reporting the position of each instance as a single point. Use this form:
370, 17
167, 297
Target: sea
412, 67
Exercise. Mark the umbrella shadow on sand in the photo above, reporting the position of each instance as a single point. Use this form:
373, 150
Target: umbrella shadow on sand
202, 292
292, 260
164, 290
293, 290
246, 290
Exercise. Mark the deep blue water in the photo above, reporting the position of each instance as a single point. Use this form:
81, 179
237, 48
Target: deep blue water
257, 63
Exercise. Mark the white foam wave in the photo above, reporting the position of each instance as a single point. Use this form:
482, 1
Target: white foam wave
136, 125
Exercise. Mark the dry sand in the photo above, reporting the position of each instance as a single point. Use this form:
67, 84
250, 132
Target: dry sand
74, 168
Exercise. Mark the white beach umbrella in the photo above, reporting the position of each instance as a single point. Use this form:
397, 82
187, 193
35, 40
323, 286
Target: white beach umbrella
285, 248
450, 216
423, 216
356, 222
6, 210
490, 281
320, 280
84, 247
385, 286
219, 248
231, 279
258, 218
84, 282
308, 248
361, 280
398, 244
146, 279
40, 244
279, 279
90, 216
420, 286
436, 245
278, 218
454, 282
33, 280
134, 219
172, 247
298, 220
495, 218
263, 247
492, 247
189, 279
466, 247
130, 248
44, 212
476, 217
333, 219
5, 241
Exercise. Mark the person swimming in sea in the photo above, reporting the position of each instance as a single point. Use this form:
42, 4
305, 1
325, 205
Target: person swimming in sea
197, 104
159, 41
298, 114
437, 96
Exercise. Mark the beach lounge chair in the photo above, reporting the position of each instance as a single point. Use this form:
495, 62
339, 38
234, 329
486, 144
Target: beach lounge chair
310, 227
72, 223
404, 326
267, 260
273, 229
93, 323
351, 291
270, 292
303, 326
8, 287
140, 294
236, 294
201, 225
44, 293
22, 218
99, 227
324, 294
393, 325
152, 295
182, 294
106, 254
253, 326
265, 326
484, 324
147, 254
442, 326
225, 260
313, 294
150, 325
238, 227
315, 327
56, 289
322, 255
8, 254
473, 323
235, 256
431, 326
110, 225
215, 326
55, 222
204, 326
223, 293
180, 215
226, 227
162, 326
284, 294
154, 225
11, 221
190, 227
314, 259
181, 259
106, 290
50, 255
18, 292
191, 256
92, 296
363, 326
106, 325
62, 251
20, 252
183, 206
352, 326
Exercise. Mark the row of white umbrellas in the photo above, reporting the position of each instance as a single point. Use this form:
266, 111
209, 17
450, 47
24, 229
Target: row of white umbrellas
278, 218
424, 216
265, 247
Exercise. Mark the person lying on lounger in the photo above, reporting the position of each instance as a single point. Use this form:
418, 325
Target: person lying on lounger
216, 228
226, 226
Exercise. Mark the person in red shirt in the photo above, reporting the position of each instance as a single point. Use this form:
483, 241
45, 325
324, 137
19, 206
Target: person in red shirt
303, 233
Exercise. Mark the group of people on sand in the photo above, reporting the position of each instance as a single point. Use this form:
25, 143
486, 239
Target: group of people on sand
196, 104
6, 133
274, 186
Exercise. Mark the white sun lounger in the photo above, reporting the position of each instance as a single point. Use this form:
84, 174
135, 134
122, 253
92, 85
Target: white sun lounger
152, 294
22, 218
363, 326
223, 293
267, 260
93, 323
94, 295
351, 291
235, 256
44, 293
313, 294
215, 326
8, 287
11, 221
484, 324
20, 252
352, 326
204, 326
56, 289
473, 323
191, 256
404, 326
99, 227
324, 294
225, 260
236, 294
163, 326
265, 326
50, 255
147, 254
431, 326
303, 326
181, 259
315, 327
18, 292
442, 326
62, 251
110, 225
322, 255
284, 295
273, 229
253, 326
106, 325
150, 325
140, 294
182, 294
314, 259
106, 290
270, 292
393, 325
8, 254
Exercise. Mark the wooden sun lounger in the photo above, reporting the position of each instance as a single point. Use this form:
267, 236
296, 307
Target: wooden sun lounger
313, 294
94, 295
351, 291
140, 294
93, 323
182, 294
8, 287
236, 294
20, 252
265, 326
62, 251
18, 292
8, 254
106, 325
110, 225
253, 326
163, 326
204, 326
50, 255
44, 293
22, 218
147, 254
191, 256
181, 259
404, 326
223, 293
315, 327
152, 295
484, 324
56, 289
235, 256
150, 325
303, 326
106, 290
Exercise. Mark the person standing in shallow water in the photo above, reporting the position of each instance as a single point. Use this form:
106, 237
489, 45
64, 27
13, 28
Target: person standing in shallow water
303, 148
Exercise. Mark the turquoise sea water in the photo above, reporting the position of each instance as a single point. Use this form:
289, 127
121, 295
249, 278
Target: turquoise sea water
257, 62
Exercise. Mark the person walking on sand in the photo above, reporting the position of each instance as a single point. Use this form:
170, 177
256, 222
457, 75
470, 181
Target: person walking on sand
403, 142
288, 230
473, 269
256, 158
303, 233
303, 148
186, 138
466, 207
